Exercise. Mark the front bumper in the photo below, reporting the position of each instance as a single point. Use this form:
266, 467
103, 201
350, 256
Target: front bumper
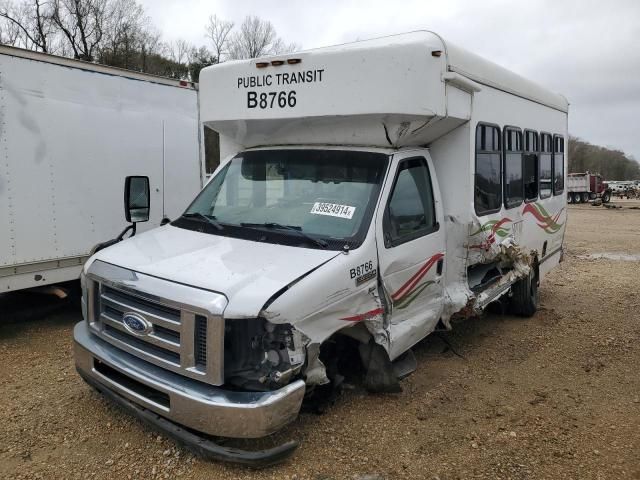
181, 400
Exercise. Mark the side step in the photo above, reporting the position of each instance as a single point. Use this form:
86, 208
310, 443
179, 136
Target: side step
405, 365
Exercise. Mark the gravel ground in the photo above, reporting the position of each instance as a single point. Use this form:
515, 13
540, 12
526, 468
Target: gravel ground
554, 396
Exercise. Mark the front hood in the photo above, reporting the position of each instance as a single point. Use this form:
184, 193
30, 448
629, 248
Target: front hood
248, 273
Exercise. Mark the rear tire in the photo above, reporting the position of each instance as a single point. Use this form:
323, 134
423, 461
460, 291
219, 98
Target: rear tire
585, 198
524, 295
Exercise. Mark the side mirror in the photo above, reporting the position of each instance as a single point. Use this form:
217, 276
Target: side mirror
136, 199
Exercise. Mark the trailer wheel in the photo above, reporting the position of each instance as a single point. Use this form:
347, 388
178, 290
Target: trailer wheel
606, 197
524, 295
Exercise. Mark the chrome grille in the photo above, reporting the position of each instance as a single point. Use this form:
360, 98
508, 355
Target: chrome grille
200, 349
183, 337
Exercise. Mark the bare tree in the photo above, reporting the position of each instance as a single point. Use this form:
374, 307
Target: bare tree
10, 32
179, 51
219, 31
30, 22
122, 32
82, 22
257, 38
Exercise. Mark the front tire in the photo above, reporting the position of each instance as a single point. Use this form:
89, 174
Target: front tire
606, 197
524, 295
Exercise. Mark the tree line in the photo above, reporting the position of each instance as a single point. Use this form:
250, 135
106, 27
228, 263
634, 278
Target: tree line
611, 164
120, 34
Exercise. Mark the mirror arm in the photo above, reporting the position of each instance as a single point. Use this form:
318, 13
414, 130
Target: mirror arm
113, 241
131, 227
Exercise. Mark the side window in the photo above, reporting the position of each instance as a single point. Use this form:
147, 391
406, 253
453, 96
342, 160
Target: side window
558, 164
530, 159
488, 174
546, 167
410, 212
513, 184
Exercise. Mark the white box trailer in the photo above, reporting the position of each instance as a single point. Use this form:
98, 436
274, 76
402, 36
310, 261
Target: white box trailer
70, 132
373, 192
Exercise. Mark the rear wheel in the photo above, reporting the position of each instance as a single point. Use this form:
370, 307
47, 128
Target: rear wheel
575, 197
585, 198
569, 197
524, 295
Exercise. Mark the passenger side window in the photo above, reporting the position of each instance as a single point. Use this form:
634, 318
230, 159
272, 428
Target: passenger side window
530, 159
410, 213
513, 185
546, 166
488, 174
558, 165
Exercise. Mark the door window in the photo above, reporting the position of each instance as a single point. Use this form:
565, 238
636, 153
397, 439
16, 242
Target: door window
410, 213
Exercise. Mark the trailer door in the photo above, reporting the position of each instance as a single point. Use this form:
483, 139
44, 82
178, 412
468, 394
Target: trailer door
411, 249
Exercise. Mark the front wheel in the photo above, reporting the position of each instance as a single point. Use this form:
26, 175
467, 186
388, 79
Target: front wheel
606, 197
524, 295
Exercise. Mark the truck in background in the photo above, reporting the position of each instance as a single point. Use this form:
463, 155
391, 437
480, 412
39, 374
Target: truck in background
371, 193
583, 187
70, 132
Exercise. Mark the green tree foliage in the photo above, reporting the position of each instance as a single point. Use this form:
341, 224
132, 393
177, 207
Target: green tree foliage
200, 58
611, 164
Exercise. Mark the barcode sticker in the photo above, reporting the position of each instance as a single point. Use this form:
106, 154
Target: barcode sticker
333, 210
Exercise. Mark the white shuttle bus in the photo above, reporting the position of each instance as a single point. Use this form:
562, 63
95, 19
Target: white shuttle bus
372, 192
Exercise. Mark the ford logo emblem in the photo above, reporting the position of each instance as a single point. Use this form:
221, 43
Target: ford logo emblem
136, 324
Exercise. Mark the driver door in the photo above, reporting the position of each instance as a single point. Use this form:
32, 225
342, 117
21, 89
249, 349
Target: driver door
411, 249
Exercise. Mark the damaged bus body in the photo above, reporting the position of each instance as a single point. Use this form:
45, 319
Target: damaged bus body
372, 192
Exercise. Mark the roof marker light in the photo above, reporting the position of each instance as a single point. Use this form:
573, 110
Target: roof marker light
436, 53
262, 64
293, 61
277, 63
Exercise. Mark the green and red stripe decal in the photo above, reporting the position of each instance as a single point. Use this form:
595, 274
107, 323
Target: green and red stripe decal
545, 221
407, 290
406, 294
495, 227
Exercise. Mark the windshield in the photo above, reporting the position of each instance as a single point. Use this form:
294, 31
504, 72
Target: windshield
310, 198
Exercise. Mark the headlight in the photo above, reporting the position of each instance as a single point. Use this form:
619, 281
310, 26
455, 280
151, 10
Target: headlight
259, 355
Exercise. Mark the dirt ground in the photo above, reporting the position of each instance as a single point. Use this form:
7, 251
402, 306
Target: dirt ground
556, 396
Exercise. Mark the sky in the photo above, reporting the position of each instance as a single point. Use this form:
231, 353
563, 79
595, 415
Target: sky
588, 50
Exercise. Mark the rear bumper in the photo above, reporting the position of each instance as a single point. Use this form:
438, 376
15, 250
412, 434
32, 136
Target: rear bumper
181, 400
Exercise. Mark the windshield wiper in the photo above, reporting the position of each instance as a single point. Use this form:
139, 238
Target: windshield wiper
279, 226
208, 218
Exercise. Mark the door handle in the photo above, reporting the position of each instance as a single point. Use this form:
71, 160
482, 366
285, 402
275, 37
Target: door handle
440, 266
